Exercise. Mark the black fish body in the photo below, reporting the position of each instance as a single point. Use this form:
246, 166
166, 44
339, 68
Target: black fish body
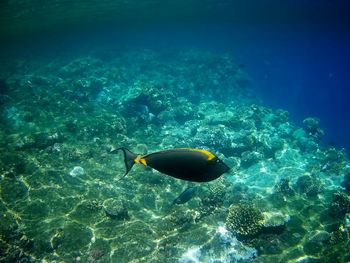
189, 164
186, 164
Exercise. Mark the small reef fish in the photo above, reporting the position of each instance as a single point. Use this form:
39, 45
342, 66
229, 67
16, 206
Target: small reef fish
185, 196
195, 165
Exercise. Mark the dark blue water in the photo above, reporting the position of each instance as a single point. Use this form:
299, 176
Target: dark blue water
305, 70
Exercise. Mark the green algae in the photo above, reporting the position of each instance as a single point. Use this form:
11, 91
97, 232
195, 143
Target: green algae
70, 239
86, 213
35, 210
12, 191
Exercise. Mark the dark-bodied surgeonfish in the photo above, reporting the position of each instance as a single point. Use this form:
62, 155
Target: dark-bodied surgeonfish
189, 164
185, 196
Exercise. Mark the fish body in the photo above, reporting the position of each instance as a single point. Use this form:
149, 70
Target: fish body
185, 196
196, 165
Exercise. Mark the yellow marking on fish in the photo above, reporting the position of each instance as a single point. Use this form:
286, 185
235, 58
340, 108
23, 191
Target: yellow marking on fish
210, 155
137, 159
143, 161
140, 160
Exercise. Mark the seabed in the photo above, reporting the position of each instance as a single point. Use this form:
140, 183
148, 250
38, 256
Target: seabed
286, 198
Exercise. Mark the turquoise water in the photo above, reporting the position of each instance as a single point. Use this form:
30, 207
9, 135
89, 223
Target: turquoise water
82, 84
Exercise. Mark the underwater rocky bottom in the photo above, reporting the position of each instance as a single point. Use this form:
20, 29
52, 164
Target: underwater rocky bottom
286, 198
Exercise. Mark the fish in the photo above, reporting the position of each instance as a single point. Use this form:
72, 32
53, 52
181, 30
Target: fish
185, 196
190, 164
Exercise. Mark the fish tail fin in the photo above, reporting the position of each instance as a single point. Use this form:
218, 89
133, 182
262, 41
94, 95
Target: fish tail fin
129, 159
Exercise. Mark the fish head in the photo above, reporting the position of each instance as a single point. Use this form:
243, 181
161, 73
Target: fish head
216, 168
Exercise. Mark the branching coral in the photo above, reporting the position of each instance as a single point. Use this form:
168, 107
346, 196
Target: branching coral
244, 220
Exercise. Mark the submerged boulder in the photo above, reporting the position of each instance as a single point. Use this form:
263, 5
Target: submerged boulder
116, 209
249, 158
340, 205
309, 185
312, 127
346, 183
275, 219
283, 187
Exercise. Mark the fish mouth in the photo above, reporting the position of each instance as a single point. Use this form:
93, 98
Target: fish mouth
225, 167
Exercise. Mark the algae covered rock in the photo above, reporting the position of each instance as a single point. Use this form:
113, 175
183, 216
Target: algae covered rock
316, 242
99, 251
12, 190
149, 94
250, 158
303, 141
312, 128
245, 220
87, 212
116, 209
275, 219
283, 187
39, 140
9, 228
346, 182
336, 162
182, 218
271, 145
340, 235
229, 249
340, 205
216, 137
309, 185
71, 238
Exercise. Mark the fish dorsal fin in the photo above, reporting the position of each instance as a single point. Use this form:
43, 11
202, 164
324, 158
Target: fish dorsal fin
208, 154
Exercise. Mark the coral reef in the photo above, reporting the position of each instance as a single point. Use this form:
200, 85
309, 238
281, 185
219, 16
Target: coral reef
244, 220
312, 128
116, 209
346, 183
283, 187
340, 205
274, 219
61, 197
309, 185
